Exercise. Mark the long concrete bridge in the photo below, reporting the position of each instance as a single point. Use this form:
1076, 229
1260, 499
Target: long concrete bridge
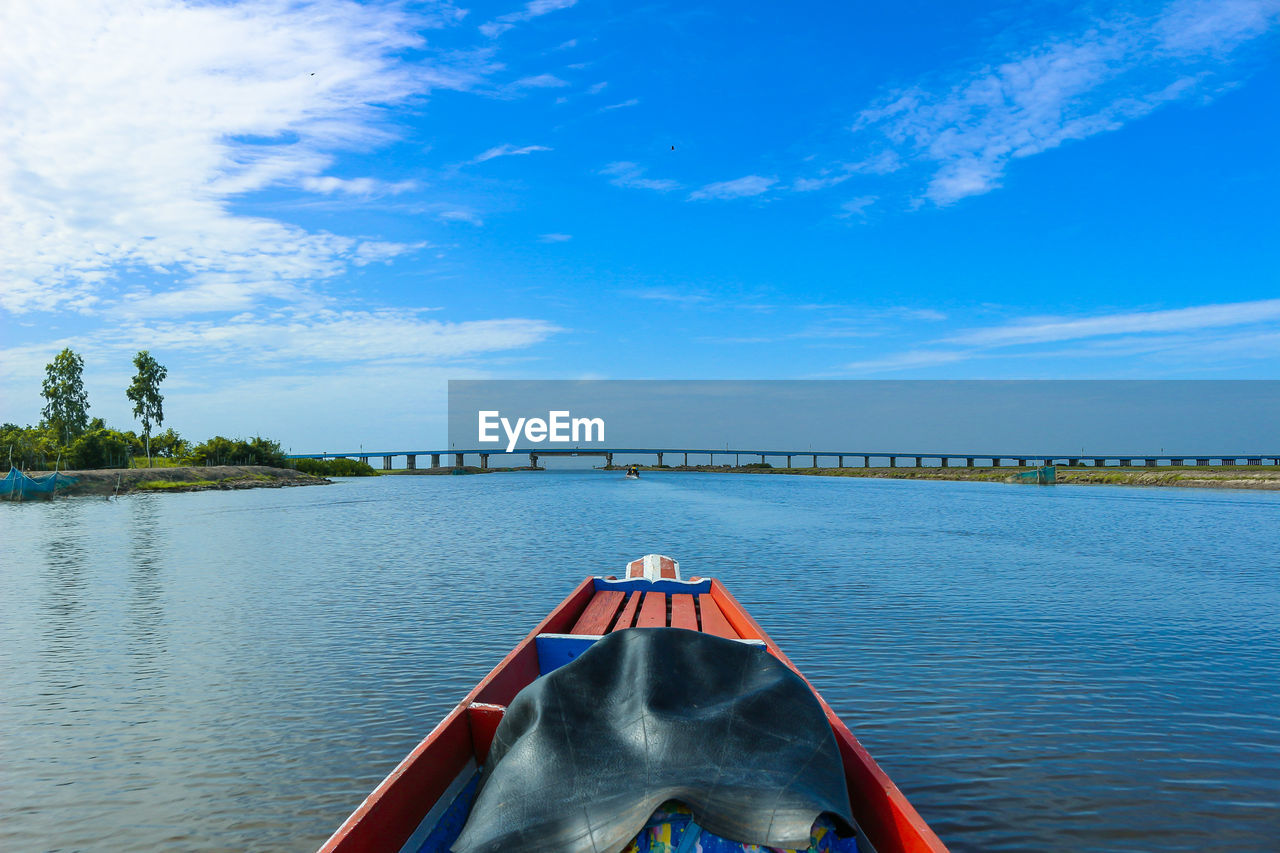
865, 458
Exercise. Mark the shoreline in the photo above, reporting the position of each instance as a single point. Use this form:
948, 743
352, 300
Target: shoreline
1217, 477
130, 481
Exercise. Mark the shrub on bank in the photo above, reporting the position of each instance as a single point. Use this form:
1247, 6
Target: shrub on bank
757, 465
100, 448
226, 451
335, 467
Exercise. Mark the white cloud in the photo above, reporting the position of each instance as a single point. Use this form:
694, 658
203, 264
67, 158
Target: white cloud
1201, 336
856, 207
1052, 329
507, 151
328, 185
622, 105
131, 126
555, 238
664, 294
531, 10
631, 176
744, 187
540, 81
906, 361
597, 88
966, 128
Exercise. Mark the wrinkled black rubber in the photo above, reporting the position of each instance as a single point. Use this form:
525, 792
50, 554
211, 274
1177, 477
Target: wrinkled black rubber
586, 753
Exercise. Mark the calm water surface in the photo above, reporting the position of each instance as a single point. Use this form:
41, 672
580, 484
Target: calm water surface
1044, 669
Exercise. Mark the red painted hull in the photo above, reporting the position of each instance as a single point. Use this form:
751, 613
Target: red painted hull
388, 816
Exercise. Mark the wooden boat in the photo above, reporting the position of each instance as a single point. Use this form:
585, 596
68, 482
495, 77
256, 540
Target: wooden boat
420, 806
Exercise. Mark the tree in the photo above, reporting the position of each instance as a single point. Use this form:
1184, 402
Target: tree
67, 412
144, 393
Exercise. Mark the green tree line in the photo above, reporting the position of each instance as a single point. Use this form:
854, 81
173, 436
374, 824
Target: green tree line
67, 435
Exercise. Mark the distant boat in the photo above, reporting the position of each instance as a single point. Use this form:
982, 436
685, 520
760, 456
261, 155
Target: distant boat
644, 713
631, 475
17, 486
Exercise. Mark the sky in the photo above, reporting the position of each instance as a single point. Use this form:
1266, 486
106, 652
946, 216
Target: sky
315, 214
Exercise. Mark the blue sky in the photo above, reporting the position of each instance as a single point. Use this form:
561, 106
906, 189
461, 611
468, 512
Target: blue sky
316, 213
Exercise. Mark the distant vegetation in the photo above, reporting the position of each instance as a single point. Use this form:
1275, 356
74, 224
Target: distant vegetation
757, 465
67, 433
335, 467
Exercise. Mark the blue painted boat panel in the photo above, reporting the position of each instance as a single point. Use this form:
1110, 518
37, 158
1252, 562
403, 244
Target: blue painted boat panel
666, 586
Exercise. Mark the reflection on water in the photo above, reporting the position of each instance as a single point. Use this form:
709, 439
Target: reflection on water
1039, 669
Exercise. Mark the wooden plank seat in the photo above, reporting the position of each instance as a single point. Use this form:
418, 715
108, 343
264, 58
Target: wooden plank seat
598, 615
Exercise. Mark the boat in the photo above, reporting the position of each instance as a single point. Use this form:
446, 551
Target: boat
631, 475
491, 775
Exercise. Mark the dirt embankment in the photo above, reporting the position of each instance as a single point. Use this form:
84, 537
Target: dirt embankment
106, 481
1216, 477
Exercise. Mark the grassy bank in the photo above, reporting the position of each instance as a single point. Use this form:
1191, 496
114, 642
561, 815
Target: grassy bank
107, 481
1208, 477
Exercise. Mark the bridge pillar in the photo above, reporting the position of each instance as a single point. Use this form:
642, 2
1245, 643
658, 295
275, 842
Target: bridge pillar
686, 459
995, 461
946, 463
435, 460
893, 462
866, 462
457, 460
788, 461
1151, 463
815, 461
711, 460
1176, 462
839, 461
919, 461
364, 459
484, 460
1022, 463
533, 460
1099, 463
968, 461
411, 462
1200, 460
735, 461
1254, 460
659, 460
1229, 461
1073, 463
608, 460
386, 463
761, 458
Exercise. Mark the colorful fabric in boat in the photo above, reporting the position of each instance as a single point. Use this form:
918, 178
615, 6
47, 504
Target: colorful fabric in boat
671, 830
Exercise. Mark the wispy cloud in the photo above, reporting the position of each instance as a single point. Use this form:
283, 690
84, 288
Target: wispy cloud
966, 127
621, 105
531, 10
597, 88
1232, 330
539, 81
555, 238
631, 175
665, 294
507, 150
329, 185
856, 207
744, 187
132, 126
1054, 329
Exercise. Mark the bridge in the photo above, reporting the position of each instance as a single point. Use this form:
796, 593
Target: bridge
917, 460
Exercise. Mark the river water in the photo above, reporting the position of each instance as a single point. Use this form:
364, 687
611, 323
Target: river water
1041, 669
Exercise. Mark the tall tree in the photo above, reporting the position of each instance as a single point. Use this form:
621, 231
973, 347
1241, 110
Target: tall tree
66, 413
148, 404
